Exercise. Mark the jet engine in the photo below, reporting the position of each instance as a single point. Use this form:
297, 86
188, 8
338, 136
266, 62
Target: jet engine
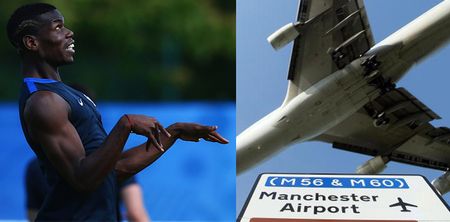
373, 166
442, 183
284, 35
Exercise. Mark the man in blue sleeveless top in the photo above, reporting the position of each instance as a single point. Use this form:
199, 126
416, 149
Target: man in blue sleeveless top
82, 163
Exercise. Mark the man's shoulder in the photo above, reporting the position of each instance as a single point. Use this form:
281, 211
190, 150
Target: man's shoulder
45, 105
44, 96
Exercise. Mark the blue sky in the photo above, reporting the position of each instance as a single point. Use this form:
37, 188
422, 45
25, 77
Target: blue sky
262, 81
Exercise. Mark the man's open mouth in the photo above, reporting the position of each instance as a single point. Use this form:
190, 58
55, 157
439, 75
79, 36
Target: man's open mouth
70, 47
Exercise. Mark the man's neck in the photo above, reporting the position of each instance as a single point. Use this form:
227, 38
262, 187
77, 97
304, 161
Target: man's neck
36, 69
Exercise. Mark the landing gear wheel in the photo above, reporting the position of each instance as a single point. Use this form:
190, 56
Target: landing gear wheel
387, 87
370, 65
384, 85
378, 122
337, 56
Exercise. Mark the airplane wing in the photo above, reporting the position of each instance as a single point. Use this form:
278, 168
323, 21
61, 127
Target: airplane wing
402, 204
395, 205
333, 28
409, 205
395, 125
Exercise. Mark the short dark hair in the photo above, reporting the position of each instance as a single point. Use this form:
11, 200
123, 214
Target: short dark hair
23, 22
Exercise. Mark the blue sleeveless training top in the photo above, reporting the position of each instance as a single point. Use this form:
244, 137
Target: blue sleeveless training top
63, 202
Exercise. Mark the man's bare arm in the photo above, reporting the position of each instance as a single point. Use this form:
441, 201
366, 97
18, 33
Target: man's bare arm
47, 122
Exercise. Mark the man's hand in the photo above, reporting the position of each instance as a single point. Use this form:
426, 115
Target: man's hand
149, 127
136, 159
195, 132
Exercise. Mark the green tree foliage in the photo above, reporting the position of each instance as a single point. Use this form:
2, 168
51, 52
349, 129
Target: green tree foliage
142, 49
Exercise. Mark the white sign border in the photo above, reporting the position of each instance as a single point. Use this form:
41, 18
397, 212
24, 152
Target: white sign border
241, 214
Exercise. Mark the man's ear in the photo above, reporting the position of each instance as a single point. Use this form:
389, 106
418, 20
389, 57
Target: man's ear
30, 42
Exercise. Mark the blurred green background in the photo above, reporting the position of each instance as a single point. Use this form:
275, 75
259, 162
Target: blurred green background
142, 50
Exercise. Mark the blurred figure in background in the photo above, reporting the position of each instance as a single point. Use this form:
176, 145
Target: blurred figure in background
36, 187
132, 199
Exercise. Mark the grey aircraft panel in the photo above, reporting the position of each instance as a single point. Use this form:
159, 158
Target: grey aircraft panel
406, 136
330, 27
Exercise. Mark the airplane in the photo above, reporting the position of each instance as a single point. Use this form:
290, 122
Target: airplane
403, 205
341, 90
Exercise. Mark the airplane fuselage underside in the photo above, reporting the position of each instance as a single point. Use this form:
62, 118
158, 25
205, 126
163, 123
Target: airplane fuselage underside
309, 114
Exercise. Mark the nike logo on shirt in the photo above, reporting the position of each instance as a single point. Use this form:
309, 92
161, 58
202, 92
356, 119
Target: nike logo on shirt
80, 101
